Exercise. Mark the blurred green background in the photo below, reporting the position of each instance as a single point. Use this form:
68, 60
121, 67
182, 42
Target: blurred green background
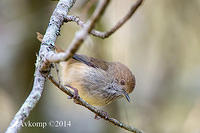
160, 44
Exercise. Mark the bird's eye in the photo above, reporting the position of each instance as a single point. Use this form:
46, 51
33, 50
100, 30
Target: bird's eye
109, 88
122, 82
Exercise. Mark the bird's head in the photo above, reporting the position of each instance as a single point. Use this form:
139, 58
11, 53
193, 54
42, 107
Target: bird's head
123, 80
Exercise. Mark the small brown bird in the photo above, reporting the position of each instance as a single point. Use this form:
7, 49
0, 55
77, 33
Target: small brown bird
96, 81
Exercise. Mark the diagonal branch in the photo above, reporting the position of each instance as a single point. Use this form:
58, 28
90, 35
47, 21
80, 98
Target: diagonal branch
106, 34
88, 106
80, 35
93, 109
55, 23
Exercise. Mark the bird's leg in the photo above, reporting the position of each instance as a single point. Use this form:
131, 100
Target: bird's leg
105, 114
75, 96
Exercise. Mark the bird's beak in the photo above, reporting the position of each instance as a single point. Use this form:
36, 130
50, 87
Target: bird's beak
125, 94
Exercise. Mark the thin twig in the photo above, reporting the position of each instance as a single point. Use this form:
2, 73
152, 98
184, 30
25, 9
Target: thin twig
80, 35
56, 21
93, 109
106, 34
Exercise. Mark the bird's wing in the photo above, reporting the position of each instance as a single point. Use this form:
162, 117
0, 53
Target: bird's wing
92, 62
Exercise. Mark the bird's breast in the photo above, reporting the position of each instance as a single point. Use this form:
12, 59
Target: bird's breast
92, 83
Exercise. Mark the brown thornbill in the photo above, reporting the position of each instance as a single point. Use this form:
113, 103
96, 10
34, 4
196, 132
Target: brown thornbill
96, 81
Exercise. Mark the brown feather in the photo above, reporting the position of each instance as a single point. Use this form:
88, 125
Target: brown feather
92, 62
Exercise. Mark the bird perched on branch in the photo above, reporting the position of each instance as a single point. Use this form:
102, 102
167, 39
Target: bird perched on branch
96, 81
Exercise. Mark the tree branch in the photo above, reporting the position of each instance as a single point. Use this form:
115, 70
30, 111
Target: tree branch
80, 35
56, 21
106, 34
93, 109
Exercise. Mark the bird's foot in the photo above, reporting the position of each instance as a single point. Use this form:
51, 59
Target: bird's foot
105, 114
75, 96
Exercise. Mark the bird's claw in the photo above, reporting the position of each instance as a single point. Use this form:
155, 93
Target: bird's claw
75, 96
105, 114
